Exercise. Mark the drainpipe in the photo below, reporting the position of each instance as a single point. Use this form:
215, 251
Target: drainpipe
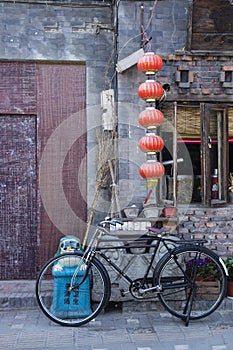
115, 25
141, 24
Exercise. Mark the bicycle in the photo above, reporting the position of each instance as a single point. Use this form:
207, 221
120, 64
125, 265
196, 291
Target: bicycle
73, 288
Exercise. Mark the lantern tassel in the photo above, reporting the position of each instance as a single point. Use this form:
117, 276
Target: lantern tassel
151, 182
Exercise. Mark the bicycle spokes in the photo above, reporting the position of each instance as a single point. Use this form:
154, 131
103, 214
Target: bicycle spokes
193, 282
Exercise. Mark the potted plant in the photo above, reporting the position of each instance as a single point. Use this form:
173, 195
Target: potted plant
169, 211
229, 265
231, 187
205, 270
206, 275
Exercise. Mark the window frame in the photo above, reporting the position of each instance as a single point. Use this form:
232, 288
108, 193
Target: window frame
207, 111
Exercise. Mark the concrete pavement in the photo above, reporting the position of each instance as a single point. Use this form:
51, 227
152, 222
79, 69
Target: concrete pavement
23, 329
23, 326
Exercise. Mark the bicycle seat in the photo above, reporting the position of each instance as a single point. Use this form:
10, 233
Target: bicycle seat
156, 230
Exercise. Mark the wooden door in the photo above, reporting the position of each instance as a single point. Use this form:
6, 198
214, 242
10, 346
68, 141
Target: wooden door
42, 181
18, 197
62, 137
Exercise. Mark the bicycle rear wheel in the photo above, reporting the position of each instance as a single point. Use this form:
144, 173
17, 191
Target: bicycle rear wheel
85, 301
192, 281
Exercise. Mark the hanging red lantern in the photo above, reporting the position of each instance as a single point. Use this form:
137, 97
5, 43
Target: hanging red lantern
150, 118
150, 63
151, 172
150, 91
151, 143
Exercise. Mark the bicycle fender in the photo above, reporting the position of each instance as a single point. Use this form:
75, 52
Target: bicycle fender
224, 266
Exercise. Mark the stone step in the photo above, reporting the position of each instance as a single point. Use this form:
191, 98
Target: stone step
21, 294
17, 294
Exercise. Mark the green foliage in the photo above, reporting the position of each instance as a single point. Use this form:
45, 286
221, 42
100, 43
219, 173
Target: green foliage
202, 267
229, 265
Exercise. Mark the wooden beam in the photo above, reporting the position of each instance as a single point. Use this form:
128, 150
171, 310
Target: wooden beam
175, 155
189, 26
205, 156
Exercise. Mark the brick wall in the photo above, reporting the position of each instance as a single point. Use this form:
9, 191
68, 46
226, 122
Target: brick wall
213, 224
206, 82
166, 21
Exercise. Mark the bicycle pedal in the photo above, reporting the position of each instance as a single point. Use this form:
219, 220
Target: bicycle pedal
123, 293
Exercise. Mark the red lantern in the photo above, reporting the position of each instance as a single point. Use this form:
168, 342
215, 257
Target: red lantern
150, 91
151, 143
151, 172
150, 118
150, 63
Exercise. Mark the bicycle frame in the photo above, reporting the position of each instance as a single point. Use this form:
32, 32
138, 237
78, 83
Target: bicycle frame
159, 240
93, 249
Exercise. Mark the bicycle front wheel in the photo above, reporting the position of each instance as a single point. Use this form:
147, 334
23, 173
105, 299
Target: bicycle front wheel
78, 305
192, 281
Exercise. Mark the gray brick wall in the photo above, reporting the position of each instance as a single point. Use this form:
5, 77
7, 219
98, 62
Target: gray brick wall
168, 26
81, 31
40, 32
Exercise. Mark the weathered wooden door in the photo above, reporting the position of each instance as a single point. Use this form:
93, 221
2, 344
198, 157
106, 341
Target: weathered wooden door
18, 197
61, 90
42, 162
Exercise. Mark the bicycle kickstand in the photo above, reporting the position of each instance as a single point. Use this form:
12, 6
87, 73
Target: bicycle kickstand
188, 307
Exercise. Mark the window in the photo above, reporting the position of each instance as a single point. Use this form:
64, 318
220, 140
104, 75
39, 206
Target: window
230, 131
184, 77
203, 144
218, 149
226, 76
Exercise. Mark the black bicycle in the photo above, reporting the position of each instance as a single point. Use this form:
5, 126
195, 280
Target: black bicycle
188, 279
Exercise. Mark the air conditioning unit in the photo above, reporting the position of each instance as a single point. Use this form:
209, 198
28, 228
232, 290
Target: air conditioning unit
129, 61
107, 105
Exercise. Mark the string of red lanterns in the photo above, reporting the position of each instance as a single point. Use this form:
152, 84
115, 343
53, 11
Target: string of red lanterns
150, 91
150, 118
151, 143
150, 63
151, 171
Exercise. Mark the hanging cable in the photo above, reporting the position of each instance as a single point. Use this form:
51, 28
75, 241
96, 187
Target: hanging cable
146, 41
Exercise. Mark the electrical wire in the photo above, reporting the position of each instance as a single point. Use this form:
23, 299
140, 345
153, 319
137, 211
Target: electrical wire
146, 38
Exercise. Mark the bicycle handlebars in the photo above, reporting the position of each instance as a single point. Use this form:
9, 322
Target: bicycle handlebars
109, 221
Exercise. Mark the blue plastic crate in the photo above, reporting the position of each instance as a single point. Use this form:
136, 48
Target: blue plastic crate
77, 304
